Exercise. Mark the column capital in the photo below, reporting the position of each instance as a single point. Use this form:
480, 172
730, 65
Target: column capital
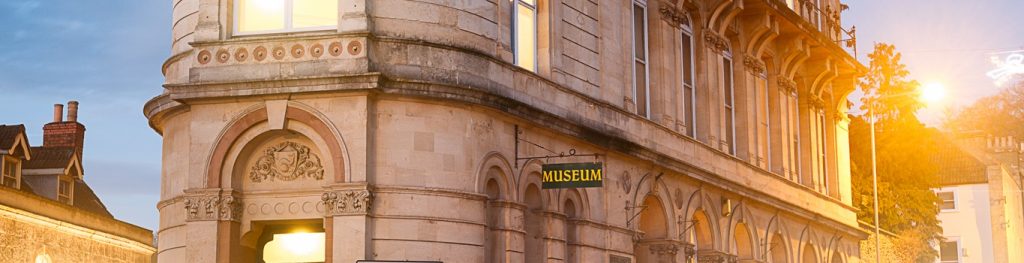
347, 202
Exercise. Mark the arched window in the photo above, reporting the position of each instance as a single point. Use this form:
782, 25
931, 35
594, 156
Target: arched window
571, 240
689, 93
534, 251
524, 33
641, 91
493, 246
777, 250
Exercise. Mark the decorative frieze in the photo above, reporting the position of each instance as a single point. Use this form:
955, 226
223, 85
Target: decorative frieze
715, 257
281, 51
673, 17
347, 202
754, 65
286, 161
213, 207
715, 42
664, 249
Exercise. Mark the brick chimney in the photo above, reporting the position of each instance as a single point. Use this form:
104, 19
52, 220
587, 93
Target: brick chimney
60, 133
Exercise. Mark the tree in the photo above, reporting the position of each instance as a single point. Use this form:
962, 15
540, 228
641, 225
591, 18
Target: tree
906, 169
1000, 115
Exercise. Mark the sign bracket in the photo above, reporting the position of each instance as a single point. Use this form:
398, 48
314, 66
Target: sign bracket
571, 153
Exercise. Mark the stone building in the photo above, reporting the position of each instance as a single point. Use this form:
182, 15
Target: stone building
397, 130
982, 208
47, 211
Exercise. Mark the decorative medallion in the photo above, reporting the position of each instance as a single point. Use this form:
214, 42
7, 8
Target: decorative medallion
298, 51
241, 54
287, 161
278, 53
316, 50
204, 57
223, 56
354, 47
334, 49
259, 53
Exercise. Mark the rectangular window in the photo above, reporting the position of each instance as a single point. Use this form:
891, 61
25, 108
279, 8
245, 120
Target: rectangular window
689, 94
276, 16
525, 35
640, 90
794, 136
10, 173
729, 107
822, 154
64, 189
764, 133
948, 201
949, 251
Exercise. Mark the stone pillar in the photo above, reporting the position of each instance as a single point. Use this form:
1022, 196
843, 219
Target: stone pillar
212, 211
348, 212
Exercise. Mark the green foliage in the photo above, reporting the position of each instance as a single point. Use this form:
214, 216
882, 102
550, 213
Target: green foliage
906, 169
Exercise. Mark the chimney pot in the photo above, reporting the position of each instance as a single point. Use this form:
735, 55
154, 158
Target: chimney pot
73, 111
58, 112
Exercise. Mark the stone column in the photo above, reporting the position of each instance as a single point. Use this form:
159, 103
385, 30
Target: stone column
348, 212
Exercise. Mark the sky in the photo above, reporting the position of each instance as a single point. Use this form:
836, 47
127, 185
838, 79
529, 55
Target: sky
107, 55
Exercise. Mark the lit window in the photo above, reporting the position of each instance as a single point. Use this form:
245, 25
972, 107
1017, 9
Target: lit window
729, 104
640, 90
295, 247
949, 251
64, 189
689, 94
948, 201
273, 16
525, 35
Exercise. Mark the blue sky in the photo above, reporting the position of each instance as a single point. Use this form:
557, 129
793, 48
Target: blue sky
107, 55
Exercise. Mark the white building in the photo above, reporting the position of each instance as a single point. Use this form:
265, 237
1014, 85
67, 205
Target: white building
981, 210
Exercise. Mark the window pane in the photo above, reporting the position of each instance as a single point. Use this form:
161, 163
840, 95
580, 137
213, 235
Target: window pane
639, 34
526, 42
641, 88
314, 13
690, 109
295, 247
260, 15
727, 80
530, 2
687, 59
949, 251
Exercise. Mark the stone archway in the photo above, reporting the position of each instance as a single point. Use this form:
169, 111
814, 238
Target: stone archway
777, 251
743, 245
654, 244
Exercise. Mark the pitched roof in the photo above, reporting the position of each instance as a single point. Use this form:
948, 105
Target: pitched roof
50, 157
9, 135
87, 200
957, 166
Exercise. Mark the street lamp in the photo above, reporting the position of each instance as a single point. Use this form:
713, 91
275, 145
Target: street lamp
931, 92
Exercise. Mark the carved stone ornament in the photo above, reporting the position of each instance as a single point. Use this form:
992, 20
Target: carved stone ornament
754, 65
787, 85
664, 249
213, 208
716, 42
286, 161
673, 16
347, 202
715, 257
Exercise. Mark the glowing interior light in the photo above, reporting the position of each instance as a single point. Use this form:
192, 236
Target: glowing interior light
1007, 68
932, 92
295, 247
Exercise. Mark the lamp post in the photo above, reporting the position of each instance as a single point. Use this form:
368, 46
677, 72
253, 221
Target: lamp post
932, 92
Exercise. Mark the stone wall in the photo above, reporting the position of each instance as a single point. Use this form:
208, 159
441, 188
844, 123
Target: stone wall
23, 238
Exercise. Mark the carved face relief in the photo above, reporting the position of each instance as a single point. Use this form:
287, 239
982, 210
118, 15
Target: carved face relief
286, 161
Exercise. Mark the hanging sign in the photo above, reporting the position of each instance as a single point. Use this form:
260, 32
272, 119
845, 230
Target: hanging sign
572, 175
